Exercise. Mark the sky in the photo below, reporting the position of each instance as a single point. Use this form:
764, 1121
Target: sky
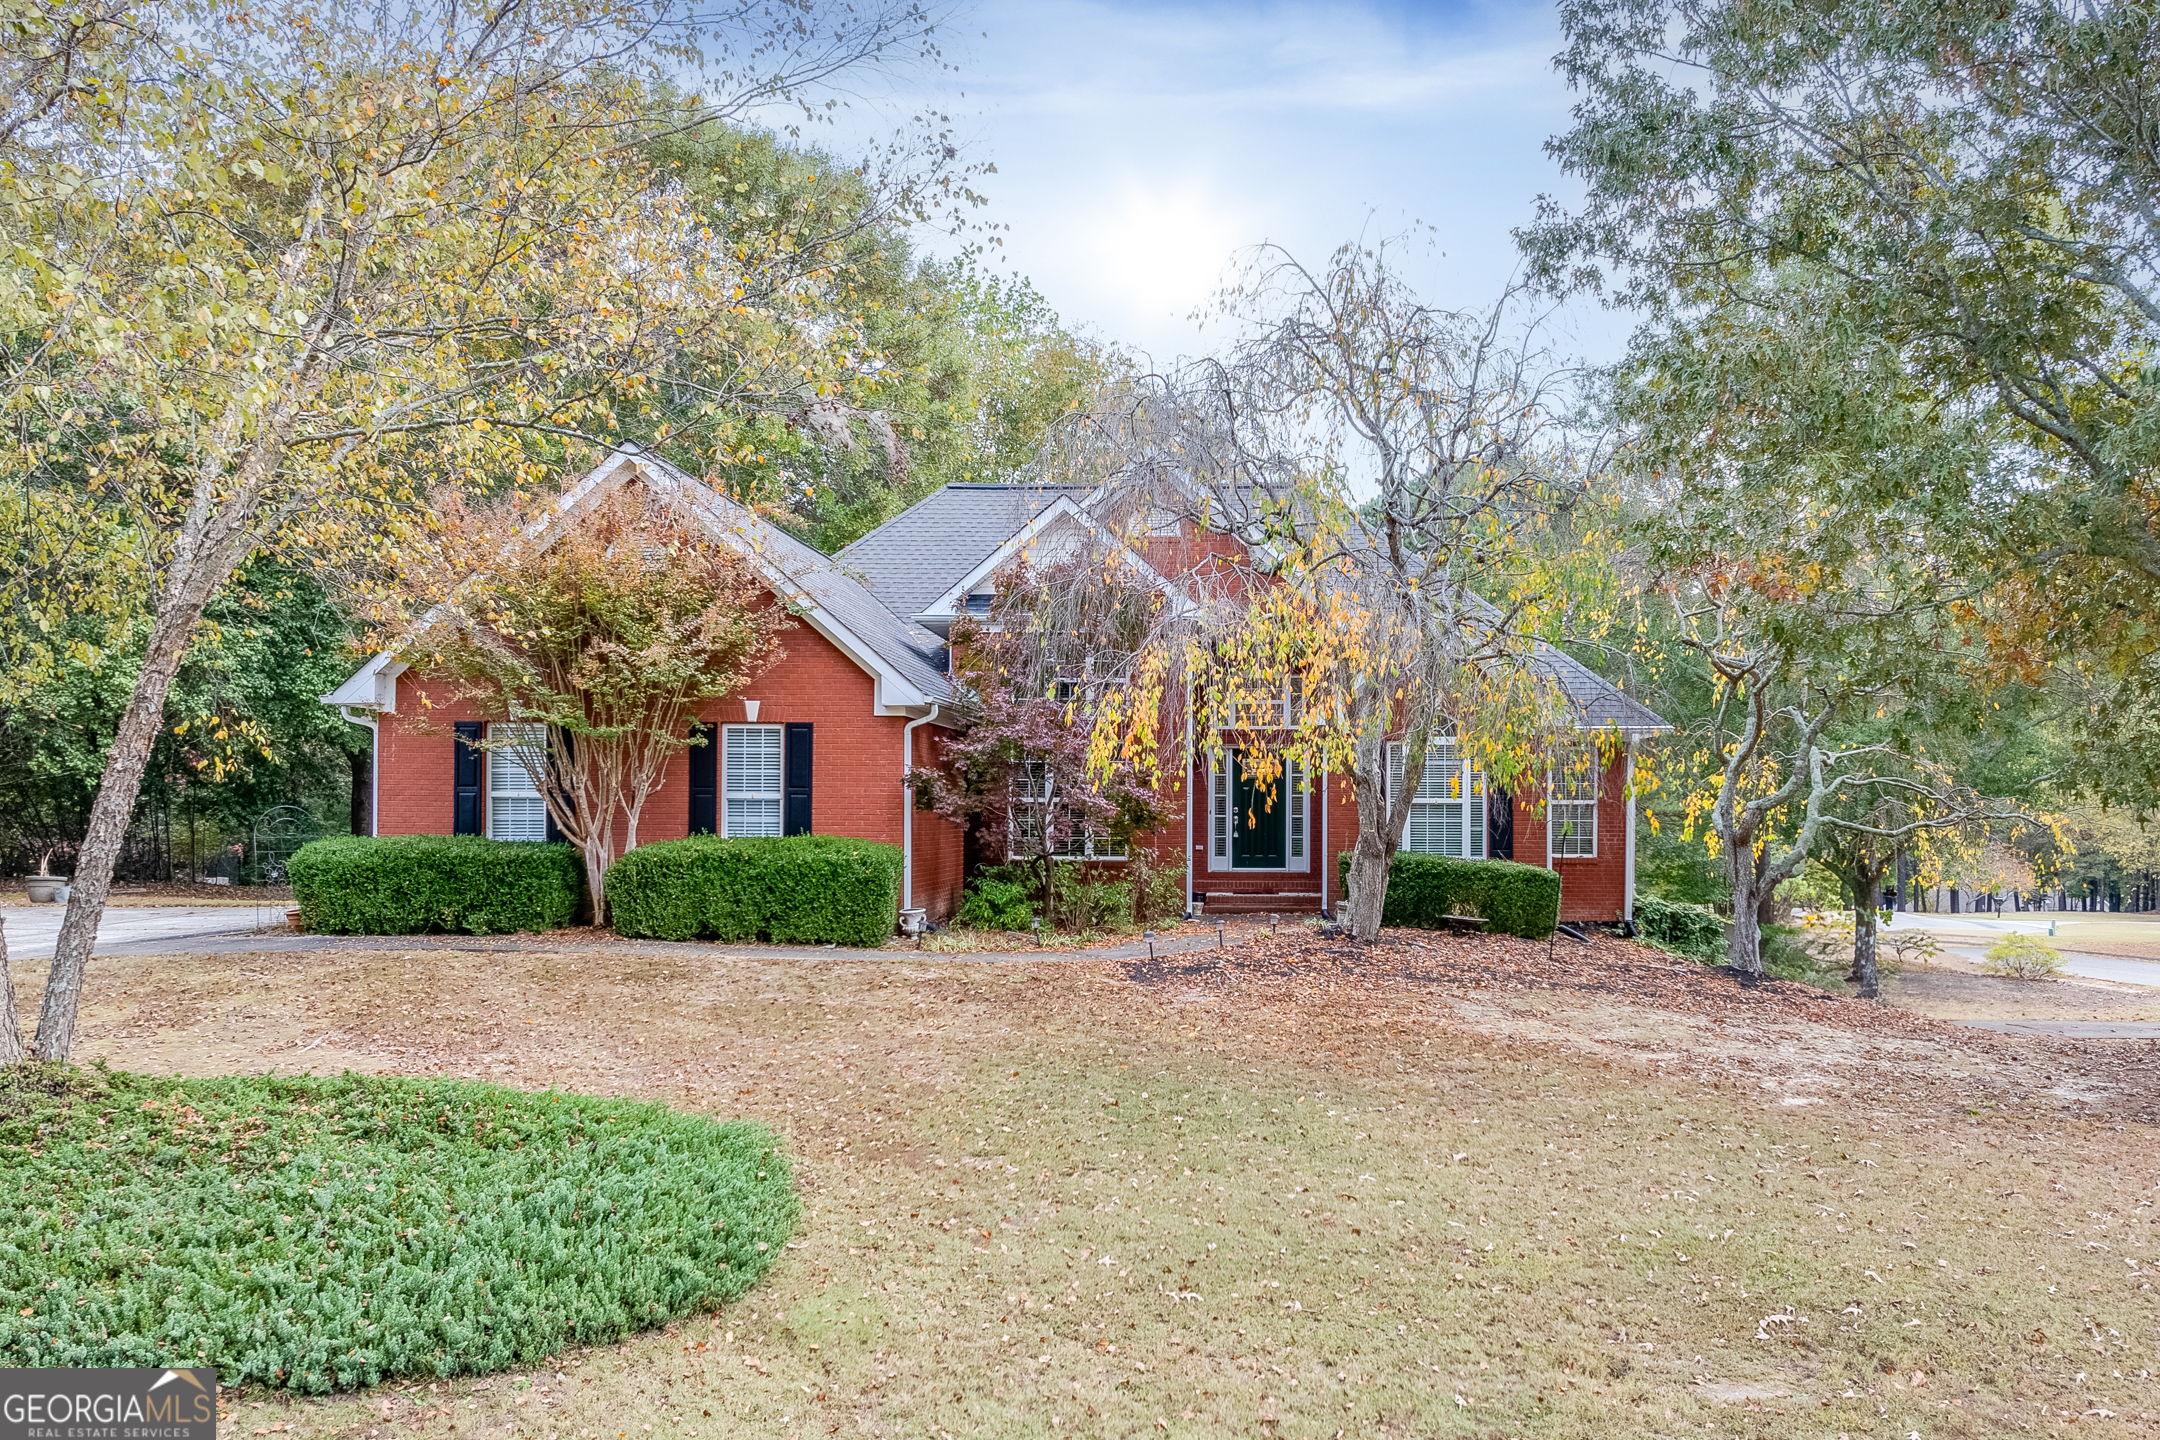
1140, 148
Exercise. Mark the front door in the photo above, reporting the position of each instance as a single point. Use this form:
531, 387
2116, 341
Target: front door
1261, 827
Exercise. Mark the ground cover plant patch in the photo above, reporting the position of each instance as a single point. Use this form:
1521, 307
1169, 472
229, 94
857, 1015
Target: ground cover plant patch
1450, 1186
321, 1234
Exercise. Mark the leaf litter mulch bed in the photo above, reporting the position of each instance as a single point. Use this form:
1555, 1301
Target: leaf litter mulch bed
1297, 978
1498, 965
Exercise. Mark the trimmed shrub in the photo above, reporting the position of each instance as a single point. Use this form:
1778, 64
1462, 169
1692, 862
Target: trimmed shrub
318, 1234
2022, 957
1691, 930
1424, 889
801, 889
421, 884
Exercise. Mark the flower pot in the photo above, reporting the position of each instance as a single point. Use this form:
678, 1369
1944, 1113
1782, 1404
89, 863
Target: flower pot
45, 889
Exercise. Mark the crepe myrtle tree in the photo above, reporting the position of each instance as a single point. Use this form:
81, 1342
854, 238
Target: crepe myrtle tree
1391, 473
285, 261
1057, 644
598, 633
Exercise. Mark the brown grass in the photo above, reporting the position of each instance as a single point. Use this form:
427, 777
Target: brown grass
1438, 1191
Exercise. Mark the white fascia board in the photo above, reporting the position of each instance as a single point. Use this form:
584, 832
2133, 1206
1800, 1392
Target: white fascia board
947, 606
372, 687
891, 692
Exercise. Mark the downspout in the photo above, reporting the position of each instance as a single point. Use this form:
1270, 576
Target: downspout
1189, 767
1327, 862
1627, 903
373, 725
907, 809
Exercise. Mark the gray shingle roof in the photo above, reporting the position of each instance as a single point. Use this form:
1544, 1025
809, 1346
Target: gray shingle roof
928, 548
1599, 704
913, 652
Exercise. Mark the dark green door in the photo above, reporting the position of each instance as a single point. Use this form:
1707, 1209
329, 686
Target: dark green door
1261, 826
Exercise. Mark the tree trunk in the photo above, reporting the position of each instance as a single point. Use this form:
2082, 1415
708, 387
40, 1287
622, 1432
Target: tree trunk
118, 788
11, 1046
1864, 951
210, 545
1744, 949
363, 790
1368, 859
596, 867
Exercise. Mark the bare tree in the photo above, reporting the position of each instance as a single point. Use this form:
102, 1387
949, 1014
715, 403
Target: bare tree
1390, 469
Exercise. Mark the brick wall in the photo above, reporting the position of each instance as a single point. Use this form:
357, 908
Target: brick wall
1592, 888
855, 783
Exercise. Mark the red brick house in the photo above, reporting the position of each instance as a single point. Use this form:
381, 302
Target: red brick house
821, 742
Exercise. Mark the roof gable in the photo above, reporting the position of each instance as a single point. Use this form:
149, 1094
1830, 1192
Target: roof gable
906, 661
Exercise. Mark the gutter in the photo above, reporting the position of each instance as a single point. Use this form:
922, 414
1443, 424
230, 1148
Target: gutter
907, 809
373, 725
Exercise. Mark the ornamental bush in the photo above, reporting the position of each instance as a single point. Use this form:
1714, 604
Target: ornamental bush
996, 899
420, 884
318, 1234
803, 889
2022, 957
1691, 930
1424, 889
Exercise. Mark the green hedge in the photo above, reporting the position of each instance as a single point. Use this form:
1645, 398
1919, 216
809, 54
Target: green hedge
1424, 889
325, 1234
1683, 929
418, 884
805, 889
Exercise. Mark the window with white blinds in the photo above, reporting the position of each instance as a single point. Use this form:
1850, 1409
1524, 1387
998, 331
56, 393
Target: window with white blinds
1447, 816
515, 808
1571, 809
750, 779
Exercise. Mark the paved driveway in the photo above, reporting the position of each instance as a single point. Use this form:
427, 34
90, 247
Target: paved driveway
134, 930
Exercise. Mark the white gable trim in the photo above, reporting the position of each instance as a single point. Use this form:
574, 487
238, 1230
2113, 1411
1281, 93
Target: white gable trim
947, 607
373, 686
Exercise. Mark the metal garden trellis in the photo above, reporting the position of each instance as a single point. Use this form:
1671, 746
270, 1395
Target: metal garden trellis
272, 839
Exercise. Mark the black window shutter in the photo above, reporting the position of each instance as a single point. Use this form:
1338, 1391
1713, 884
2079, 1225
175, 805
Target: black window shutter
466, 760
1500, 826
554, 831
705, 779
795, 813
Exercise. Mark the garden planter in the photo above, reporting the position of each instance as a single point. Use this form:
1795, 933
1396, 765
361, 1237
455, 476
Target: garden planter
45, 889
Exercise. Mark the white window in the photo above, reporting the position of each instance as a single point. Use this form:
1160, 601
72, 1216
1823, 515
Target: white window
1221, 772
1035, 806
1294, 774
515, 809
750, 792
1571, 808
1447, 816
